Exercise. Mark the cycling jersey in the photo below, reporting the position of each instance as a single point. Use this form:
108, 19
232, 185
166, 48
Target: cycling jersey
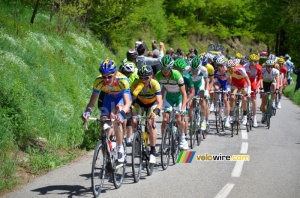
221, 79
187, 81
283, 73
238, 77
210, 69
198, 78
148, 94
270, 77
254, 75
172, 86
120, 86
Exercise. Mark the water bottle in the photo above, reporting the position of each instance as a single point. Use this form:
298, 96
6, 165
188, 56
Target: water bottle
145, 138
174, 129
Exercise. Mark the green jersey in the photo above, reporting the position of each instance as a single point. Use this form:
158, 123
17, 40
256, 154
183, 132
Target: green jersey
172, 85
188, 82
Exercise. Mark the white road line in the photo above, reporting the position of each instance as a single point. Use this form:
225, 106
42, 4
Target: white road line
237, 170
225, 191
244, 148
244, 135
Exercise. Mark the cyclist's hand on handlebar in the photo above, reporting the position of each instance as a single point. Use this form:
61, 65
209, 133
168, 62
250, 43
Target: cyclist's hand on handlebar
120, 117
85, 116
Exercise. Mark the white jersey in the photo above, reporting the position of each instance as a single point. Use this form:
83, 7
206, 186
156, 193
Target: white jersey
270, 77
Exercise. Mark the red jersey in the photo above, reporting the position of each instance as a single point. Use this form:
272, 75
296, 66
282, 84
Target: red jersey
238, 77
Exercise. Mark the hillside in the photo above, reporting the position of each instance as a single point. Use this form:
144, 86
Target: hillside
46, 80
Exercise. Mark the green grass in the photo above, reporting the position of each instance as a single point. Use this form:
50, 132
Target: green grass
289, 92
46, 80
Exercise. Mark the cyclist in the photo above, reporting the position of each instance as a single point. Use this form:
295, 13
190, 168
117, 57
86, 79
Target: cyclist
254, 69
149, 99
289, 65
221, 83
239, 81
199, 76
130, 71
210, 71
180, 65
117, 99
270, 82
173, 84
282, 79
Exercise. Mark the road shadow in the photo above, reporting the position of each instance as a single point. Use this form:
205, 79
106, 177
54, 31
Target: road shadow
69, 190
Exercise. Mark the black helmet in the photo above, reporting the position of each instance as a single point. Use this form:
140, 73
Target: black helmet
145, 70
131, 55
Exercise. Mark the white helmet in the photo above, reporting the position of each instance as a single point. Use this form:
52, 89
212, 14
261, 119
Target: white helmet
231, 63
221, 60
127, 67
270, 62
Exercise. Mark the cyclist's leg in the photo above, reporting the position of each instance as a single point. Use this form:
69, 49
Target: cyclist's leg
152, 129
166, 116
204, 108
232, 100
244, 105
266, 87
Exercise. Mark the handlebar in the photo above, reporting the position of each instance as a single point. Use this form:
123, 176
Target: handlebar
102, 119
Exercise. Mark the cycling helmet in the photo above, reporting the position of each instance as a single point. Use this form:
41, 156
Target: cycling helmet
272, 57
270, 62
196, 63
288, 57
243, 61
210, 56
131, 54
180, 63
221, 60
145, 70
127, 67
237, 61
107, 66
216, 57
238, 55
167, 61
204, 60
253, 57
281, 60
231, 63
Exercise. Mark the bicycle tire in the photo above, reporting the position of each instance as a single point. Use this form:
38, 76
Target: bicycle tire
165, 150
119, 170
175, 145
149, 167
192, 131
218, 118
98, 169
232, 128
136, 158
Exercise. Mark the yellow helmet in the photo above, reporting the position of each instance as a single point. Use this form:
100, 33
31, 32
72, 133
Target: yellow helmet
253, 57
238, 55
281, 60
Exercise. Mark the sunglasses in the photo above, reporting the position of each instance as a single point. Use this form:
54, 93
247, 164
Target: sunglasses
108, 77
269, 66
165, 68
144, 77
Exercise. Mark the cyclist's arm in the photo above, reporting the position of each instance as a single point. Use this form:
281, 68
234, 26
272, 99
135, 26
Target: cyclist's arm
159, 101
90, 106
192, 94
127, 102
211, 82
184, 96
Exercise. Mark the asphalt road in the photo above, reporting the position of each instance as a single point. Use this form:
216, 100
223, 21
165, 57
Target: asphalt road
273, 169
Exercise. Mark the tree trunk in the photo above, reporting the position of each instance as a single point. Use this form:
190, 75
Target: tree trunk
34, 11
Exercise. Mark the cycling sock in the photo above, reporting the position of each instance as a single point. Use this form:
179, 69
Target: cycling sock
120, 148
244, 113
152, 151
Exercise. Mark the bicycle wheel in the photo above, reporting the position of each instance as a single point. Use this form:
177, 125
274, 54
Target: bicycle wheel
165, 150
175, 145
136, 158
232, 128
119, 170
193, 127
98, 169
218, 118
149, 167
269, 113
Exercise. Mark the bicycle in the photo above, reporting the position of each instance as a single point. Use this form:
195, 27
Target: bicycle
276, 101
249, 124
195, 132
270, 108
140, 150
237, 112
108, 164
219, 110
170, 140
